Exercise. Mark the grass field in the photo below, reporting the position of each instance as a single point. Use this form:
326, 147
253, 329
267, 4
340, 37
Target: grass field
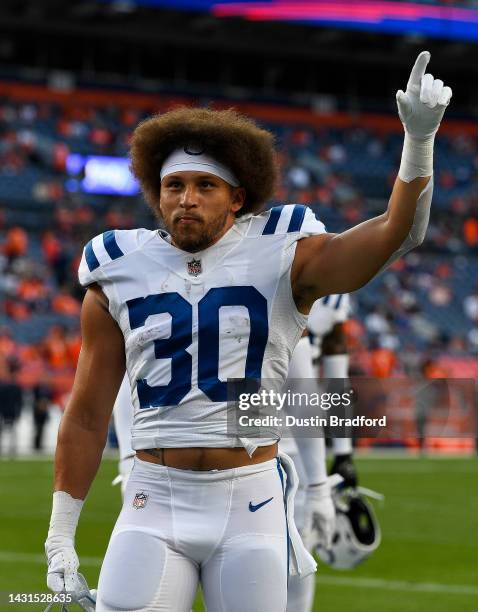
428, 559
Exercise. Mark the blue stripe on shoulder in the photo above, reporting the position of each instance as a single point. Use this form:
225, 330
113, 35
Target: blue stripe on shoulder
326, 299
273, 220
338, 301
91, 260
111, 246
297, 218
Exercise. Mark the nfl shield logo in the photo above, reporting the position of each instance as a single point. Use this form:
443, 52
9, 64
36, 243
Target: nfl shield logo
140, 500
194, 267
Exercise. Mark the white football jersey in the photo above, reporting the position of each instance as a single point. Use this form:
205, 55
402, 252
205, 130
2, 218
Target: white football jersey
191, 321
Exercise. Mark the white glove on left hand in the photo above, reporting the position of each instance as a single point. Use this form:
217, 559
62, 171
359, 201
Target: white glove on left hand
319, 524
421, 110
422, 105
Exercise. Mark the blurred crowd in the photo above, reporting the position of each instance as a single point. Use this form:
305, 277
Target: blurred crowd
346, 174
425, 304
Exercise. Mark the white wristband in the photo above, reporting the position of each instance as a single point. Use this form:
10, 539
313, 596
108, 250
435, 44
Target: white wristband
64, 515
417, 158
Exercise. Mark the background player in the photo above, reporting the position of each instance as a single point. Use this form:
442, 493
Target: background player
315, 509
326, 326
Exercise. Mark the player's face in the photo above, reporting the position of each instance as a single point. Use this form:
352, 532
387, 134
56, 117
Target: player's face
198, 208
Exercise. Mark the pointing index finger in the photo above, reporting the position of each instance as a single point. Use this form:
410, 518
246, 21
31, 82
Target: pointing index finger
418, 69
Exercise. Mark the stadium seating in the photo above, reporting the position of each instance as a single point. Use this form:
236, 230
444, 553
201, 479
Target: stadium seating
344, 173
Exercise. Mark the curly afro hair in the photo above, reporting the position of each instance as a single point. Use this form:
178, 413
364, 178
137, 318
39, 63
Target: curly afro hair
231, 138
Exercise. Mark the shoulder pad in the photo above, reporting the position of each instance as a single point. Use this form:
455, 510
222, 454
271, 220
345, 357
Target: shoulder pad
339, 303
295, 219
105, 248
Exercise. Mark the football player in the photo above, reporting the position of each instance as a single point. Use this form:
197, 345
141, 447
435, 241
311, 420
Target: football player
225, 294
326, 326
315, 509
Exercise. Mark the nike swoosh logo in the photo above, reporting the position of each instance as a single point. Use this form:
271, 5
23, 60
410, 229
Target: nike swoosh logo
253, 508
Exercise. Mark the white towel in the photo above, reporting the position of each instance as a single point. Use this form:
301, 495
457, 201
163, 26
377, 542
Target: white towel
301, 562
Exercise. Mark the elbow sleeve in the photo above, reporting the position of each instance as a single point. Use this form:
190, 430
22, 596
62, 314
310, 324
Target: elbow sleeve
420, 223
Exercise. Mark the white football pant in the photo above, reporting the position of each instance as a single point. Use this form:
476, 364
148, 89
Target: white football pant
225, 529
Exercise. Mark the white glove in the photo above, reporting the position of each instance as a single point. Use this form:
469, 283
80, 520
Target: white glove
62, 565
319, 524
63, 574
60, 551
421, 109
422, 106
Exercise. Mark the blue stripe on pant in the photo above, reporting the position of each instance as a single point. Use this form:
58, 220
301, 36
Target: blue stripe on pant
281, 476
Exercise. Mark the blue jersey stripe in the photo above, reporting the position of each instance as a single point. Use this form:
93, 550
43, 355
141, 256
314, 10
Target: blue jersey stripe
338, 301
273, 220
91, 260
111, 246
326, 299
297, 218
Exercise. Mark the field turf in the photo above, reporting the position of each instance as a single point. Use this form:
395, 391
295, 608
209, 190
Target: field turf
428, 559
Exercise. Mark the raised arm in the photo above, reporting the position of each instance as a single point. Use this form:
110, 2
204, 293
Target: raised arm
340, 263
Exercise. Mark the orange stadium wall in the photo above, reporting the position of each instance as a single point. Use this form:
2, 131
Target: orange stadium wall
267, 112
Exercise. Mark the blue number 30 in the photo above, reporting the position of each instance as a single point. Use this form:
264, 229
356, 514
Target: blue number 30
175, 347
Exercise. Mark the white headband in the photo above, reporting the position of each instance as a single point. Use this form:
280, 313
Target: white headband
185, 159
